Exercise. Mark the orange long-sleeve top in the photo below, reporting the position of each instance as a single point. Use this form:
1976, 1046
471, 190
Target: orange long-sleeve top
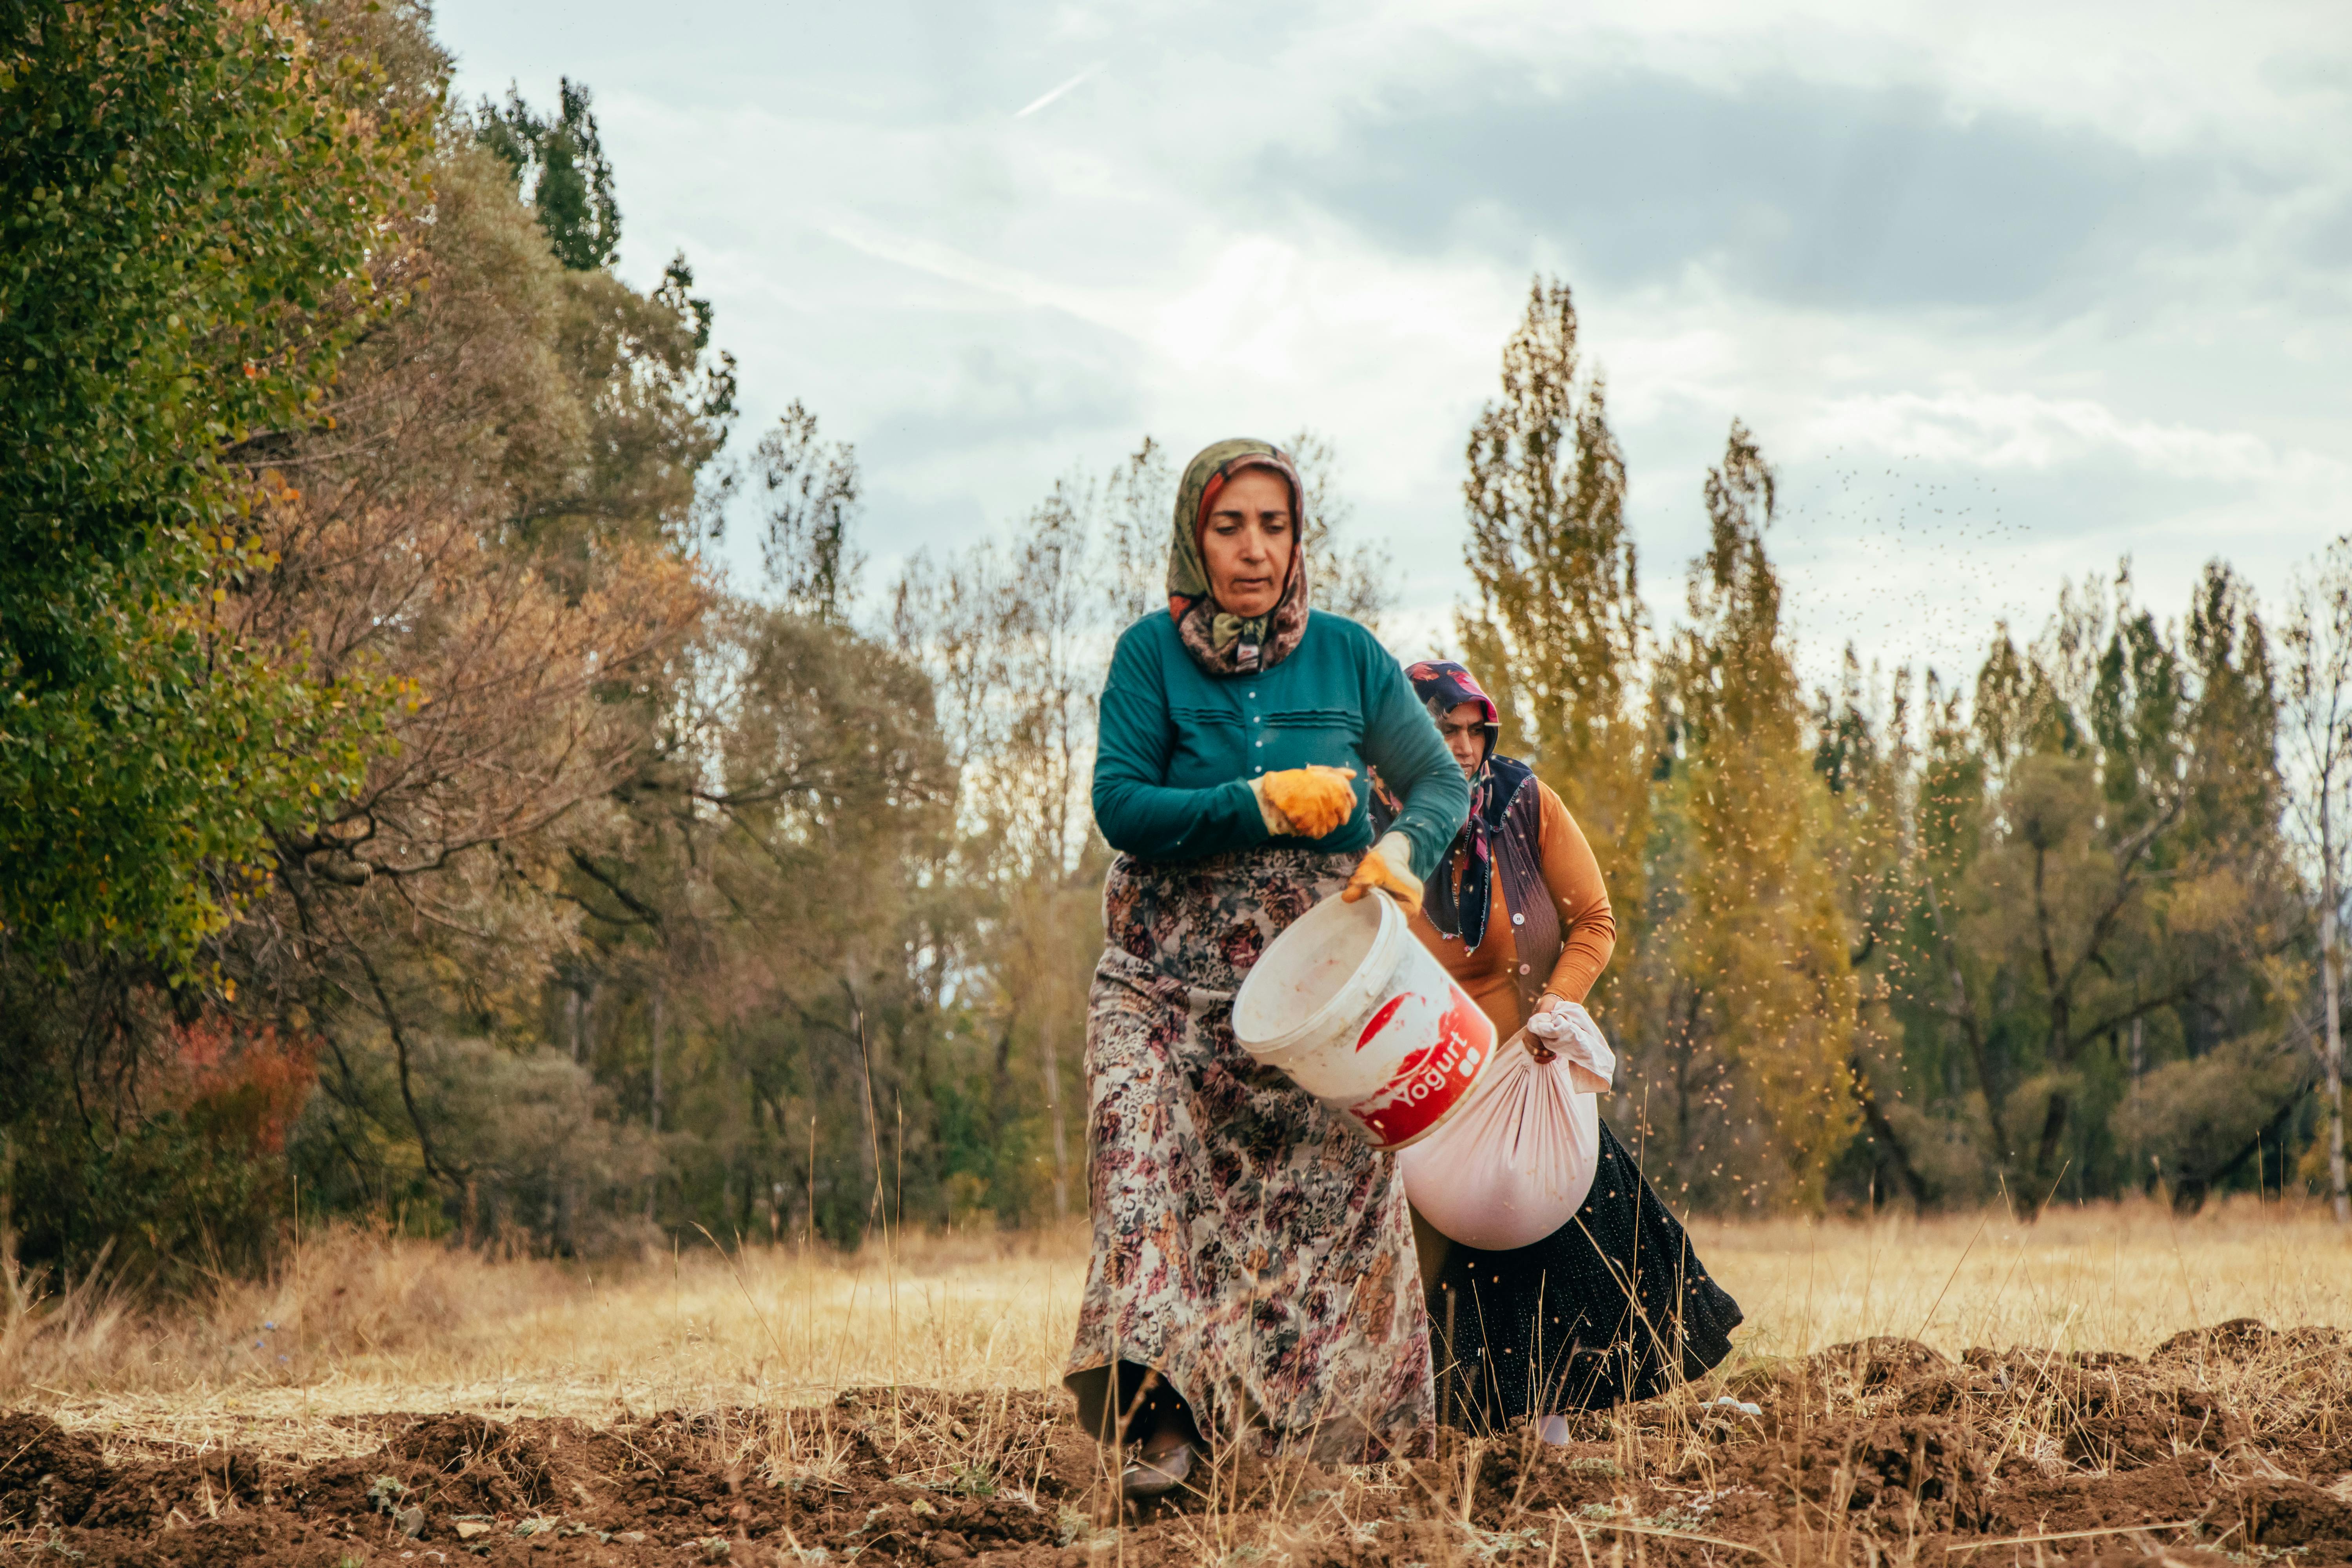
1588, 928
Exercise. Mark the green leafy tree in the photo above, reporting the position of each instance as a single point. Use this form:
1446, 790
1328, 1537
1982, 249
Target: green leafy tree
2109, 916
561, 161
193, 199
1867, 755
500, 491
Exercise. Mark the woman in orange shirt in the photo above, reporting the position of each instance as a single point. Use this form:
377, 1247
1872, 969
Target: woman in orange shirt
1518, 915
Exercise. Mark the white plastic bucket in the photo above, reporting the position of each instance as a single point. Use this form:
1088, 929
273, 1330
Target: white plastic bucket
1360, 1016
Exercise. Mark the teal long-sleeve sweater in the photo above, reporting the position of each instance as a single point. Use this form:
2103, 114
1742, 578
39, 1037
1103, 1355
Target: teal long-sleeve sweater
1177, 746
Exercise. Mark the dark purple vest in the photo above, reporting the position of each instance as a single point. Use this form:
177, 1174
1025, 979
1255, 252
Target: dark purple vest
1518, 848
1535, 918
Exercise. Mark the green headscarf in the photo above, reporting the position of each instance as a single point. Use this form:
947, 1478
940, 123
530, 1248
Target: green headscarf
1220, 642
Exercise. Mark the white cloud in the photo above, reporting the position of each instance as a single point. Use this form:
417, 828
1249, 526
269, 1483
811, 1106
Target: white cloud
2159, 76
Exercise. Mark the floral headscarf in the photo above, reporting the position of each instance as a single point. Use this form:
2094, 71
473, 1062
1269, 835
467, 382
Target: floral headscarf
1443, 686
1219, 641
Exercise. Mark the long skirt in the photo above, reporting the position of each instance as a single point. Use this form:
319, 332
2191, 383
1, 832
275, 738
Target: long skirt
1248, 1249
1611, 1307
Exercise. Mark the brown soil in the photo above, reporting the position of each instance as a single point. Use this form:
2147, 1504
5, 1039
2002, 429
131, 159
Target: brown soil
2229, 1444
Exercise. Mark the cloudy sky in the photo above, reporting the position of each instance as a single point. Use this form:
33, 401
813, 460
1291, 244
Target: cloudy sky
2007, 290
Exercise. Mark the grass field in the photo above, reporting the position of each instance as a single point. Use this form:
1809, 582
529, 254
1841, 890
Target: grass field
395, 1401
357, 1324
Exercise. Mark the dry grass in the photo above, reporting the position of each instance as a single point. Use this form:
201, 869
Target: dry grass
1863, 1458
361, 1324
2116, 1277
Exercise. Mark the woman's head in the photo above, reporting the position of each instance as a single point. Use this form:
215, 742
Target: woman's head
1466, 715
1237, 581
1248, 532
1462, 728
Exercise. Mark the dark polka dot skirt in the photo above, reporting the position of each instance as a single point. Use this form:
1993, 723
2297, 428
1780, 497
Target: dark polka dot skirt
1613, 1306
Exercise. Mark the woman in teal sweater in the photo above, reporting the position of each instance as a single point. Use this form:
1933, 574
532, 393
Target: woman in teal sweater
1253, 1266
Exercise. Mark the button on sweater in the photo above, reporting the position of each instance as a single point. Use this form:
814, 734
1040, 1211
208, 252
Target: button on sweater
1177, 746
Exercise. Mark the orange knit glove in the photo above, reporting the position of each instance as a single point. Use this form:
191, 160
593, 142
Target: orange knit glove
1388, 866
1305, 802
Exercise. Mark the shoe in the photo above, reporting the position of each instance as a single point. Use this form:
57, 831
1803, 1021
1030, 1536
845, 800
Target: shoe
1155, 1477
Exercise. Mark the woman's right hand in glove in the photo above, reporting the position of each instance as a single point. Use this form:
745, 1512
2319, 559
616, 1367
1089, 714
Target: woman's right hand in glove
1305, 803
1388, 866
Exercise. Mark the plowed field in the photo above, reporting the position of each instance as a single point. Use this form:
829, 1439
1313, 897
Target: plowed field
2235, 1440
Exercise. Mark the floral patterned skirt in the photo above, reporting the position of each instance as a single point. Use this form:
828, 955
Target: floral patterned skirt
1247, 1247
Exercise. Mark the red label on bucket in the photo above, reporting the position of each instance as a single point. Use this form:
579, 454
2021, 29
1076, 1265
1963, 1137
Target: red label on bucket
1379, 1021
1430, 1081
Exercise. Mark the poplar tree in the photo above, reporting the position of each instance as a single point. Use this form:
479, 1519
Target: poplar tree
1556, 634
2319, 712
1760, 992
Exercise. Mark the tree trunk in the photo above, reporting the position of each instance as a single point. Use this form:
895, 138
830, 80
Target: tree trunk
1893, 1155
869, 1153
1051, 1065
2062, 1042
2331, 999
2054, 1129
653, 1186
655, 1120
1979, 1050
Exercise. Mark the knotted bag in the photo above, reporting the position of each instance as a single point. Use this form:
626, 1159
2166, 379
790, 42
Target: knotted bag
1515, 1164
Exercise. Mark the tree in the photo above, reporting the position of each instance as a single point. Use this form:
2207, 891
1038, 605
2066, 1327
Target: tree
560, 165
1354, 581
811, 492
760, 925
2318, 701
1866, 756
2105, 864
1752, 954
1018, 640
492, 517
498, 520
197, 199
1557, 634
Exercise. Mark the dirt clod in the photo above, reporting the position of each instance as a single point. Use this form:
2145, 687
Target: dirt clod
1881, 1360
2281, 1514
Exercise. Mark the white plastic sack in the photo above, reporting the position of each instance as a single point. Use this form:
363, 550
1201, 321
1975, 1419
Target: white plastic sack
1514, 1164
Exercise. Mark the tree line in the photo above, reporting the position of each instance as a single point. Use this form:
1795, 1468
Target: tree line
403, 819
2062, 926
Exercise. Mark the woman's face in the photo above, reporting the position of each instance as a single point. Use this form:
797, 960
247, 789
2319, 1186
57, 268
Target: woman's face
1464, 729
1246, 540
